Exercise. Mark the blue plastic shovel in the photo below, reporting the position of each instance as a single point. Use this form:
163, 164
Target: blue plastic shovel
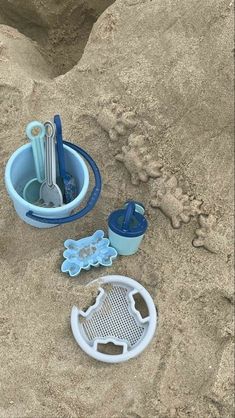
68, 184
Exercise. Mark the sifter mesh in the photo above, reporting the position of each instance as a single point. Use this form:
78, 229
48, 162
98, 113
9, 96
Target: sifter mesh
112, 318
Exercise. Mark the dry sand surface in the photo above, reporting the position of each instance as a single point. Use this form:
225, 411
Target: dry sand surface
146, 88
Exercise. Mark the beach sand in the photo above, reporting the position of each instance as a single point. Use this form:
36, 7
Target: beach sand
146, 87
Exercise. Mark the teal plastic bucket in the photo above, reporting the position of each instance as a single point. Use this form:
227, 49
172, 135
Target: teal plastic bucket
124, 245
127, 227
20, 169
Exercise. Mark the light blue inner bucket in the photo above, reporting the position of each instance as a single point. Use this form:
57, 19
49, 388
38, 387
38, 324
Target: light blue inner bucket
20, 169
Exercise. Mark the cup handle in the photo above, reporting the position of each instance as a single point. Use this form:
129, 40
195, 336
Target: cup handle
130, 210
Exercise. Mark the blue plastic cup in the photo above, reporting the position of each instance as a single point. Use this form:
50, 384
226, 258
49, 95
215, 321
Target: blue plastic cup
127, 227
20, 169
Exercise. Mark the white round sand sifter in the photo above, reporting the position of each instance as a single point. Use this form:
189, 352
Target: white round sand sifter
114, 329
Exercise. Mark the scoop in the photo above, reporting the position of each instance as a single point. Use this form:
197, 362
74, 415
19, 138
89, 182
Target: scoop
31, 190
67, 182
50, 193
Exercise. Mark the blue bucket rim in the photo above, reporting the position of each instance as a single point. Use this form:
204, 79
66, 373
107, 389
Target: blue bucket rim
45, 211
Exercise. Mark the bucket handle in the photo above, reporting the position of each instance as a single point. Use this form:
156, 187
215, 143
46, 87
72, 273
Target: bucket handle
91, 201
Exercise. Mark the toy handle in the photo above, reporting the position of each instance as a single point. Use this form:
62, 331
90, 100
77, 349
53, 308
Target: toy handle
130, 210
37, 142
59, 145
91, 201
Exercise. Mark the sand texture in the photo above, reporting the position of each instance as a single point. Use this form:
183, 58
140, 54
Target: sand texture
146, 87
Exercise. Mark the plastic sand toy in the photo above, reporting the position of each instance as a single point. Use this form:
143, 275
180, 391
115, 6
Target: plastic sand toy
20, 169
32, 188
68, 182
87, 252
127, 227
120, 324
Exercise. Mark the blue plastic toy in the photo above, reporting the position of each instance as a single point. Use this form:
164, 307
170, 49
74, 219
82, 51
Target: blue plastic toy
87, 252
67, 181
31, 190
20, 169
127, 227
